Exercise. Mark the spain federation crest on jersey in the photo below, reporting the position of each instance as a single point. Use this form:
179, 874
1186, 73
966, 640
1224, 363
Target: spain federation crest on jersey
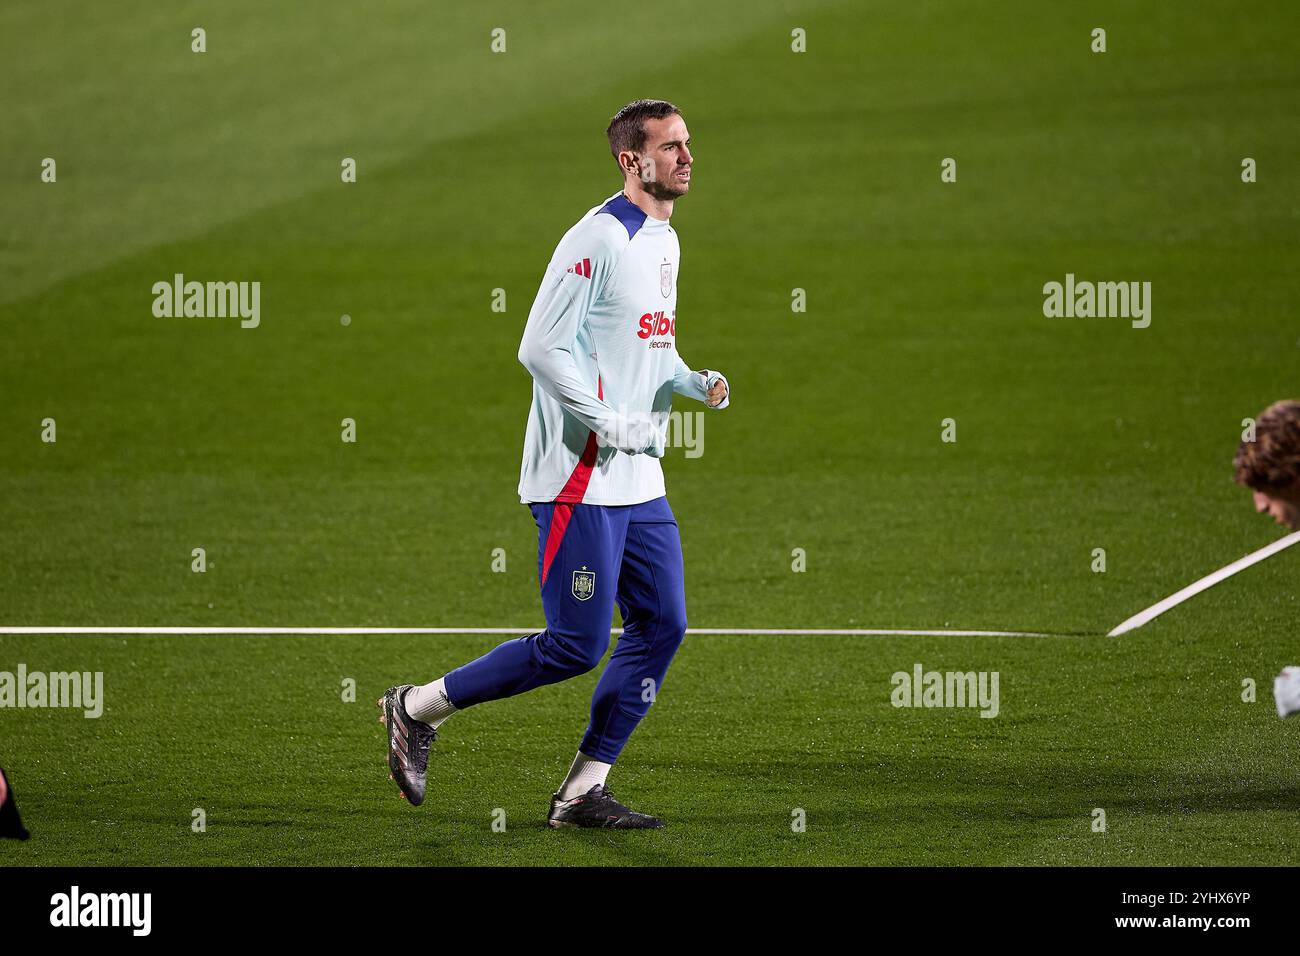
584, 584
666, 279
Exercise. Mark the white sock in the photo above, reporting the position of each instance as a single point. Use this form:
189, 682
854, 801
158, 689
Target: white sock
585, 773
429, 703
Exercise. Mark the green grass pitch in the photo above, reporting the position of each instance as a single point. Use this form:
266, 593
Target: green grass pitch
816, 170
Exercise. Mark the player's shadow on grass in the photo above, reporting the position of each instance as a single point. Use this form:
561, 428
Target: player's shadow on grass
944, 789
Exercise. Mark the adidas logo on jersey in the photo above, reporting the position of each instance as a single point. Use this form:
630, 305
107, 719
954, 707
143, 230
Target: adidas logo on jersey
582, 268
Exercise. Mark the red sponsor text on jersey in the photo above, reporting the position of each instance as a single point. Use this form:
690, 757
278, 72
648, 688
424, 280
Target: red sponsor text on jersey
658, 323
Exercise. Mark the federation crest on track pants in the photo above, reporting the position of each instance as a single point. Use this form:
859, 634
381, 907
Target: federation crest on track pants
589, 558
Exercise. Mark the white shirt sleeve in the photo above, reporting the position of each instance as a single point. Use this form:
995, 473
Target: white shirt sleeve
696, 385
590, 252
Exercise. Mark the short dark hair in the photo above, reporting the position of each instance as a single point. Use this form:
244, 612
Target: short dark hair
626, 131
1271, 462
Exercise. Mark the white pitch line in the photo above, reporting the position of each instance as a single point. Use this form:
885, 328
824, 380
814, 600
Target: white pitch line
1209, 581
862, 632
845, 632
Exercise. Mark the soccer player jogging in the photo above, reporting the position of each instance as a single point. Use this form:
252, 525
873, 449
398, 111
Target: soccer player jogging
600, 345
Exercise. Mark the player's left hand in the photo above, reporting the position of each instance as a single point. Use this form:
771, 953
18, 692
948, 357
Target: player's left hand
718, 390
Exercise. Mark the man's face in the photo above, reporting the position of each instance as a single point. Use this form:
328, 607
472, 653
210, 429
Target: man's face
1284, 510
666, 161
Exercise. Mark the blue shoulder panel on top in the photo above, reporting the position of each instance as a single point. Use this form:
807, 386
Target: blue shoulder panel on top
626, 212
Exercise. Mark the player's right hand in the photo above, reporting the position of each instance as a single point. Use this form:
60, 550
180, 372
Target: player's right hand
639, 435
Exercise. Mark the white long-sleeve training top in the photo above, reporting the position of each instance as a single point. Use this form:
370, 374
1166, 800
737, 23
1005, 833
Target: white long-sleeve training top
600, 345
